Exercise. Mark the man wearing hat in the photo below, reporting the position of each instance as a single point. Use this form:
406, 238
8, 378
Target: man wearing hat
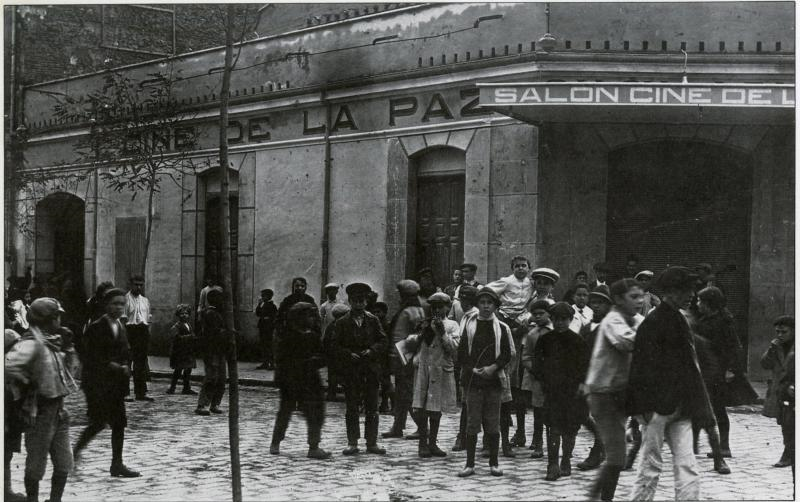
299, 359
38, 367
651, 300
325, 310
403, 323
360, 344
467, 277
666, 389
267, 314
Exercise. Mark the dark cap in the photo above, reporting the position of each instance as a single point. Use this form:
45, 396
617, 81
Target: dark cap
267, 290
467, 291
561, 310
784, 320
542, 304
468, 266
487, 291
677, 278
357, 289
602, 292
43, 310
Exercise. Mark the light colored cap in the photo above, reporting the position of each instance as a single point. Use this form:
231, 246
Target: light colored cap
548, 273
331, 285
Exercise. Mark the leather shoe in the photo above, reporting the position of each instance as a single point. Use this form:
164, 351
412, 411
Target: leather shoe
725, 454
202, 411
553, 472
537, 453
566, 467
459, 446
466, 471
120, 471
377, 450
783, 462
171, 390
216, 410
145, 398
275, 449
189, 392
350, 450
318, 454
414, 435
721, 466
391, 433
495, 470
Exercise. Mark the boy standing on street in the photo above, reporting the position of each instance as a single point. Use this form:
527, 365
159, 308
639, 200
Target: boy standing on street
467, 308
560, 363
360, 345
540, 318
484, 350
137, 320
267, 314
299, 359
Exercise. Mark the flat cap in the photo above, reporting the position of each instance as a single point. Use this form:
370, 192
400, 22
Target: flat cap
408, 287
439, 298
547, 273
358, 289
644, 273
487, 291
468, 266
784, 320
44, 309
602, 292
677, 277
267, 290
467, 291
331, 285
561, 310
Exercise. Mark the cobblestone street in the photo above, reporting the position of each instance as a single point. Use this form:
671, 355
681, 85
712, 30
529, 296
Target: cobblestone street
183, 456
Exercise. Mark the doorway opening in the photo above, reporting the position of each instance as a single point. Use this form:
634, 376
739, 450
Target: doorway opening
677, 202
60, 238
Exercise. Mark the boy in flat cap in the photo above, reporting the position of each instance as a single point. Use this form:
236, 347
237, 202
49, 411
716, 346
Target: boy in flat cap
360, 344
299, 358
484, 350
666, 389
403, 323
560, 363
38, 367
462, 308
267, 314
540, 324
434, 389
331, 291
544, 280
651, 301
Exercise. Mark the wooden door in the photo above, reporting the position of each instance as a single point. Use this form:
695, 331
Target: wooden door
440, 225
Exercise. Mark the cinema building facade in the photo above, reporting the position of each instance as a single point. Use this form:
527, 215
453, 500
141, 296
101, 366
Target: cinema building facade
367, 148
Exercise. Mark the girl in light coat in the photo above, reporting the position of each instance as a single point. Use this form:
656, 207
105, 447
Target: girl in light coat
434, 385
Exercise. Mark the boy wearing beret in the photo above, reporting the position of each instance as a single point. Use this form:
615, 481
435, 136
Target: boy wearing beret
360, 345
484, 350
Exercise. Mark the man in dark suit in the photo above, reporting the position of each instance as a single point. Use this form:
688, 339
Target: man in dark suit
359, 346
106, 380
666, 389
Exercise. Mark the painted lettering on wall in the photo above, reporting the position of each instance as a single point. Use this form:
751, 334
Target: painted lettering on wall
637, 94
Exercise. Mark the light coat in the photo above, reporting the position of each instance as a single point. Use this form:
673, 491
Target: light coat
434, 384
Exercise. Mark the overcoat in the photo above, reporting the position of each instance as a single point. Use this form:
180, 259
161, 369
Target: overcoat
776, 359
435, 385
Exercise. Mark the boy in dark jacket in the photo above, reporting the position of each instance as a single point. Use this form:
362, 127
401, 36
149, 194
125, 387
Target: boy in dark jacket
299, 358
215, 345
560, 363
360, 345
267, 314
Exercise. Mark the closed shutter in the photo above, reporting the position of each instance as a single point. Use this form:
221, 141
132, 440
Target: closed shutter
129, 248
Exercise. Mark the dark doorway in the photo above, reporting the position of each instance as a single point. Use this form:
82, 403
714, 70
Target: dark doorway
683, 203
213, 248
60, 238
440, 225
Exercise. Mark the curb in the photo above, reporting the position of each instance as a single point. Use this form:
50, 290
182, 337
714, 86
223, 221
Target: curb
249, 382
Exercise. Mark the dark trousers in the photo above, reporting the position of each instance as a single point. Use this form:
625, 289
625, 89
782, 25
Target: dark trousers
265, 337
313, 409
214, 381
187, 375
139, 340
361, 384
117, 440
403, 395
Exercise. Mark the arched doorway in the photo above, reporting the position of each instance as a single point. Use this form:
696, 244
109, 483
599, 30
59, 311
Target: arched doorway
213, 244
683, 203
436, 211
60, 238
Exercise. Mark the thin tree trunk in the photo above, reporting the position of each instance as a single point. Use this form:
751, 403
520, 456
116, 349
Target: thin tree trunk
149, 230
227, 280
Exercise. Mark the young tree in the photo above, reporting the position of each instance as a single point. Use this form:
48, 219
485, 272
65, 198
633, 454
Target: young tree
137, 139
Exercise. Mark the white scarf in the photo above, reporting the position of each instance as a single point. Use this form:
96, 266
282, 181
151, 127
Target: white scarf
470, 323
